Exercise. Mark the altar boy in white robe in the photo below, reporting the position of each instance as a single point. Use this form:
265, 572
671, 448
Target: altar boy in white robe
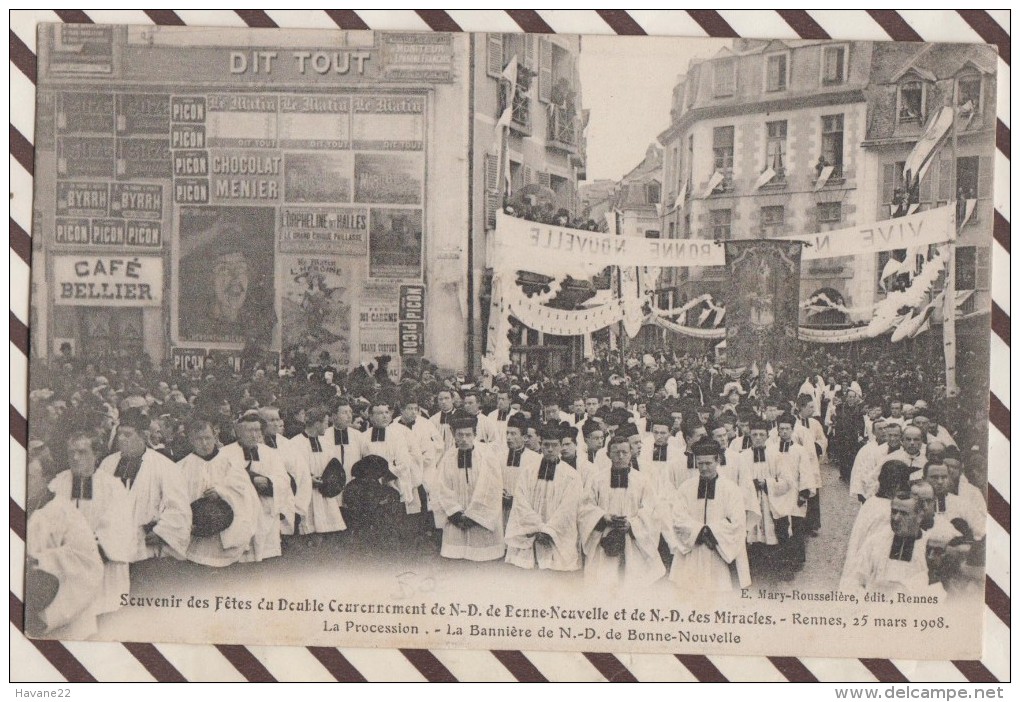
391, 444
661, 457
709, 528
267, 472
619, 523
542, 530
106, 506
324, 516
468, 497
158, 493
211, 475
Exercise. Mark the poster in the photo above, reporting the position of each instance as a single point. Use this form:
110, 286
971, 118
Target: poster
225, 275
318, 298
395, 243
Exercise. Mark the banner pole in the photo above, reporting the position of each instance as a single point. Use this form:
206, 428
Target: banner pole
949, 295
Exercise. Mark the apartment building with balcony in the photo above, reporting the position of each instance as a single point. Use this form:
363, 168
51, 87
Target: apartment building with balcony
764, 142
545, 152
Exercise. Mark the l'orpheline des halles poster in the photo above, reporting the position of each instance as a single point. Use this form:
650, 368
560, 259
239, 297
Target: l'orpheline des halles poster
396, 339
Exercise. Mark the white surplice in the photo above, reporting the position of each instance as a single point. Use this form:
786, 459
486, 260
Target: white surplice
477, 492
276, 511
158, 495
110, 517
696, 567
640, 563
232, 484
548, 506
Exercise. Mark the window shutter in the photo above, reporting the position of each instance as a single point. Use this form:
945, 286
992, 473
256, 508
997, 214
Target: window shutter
983, 272
888, 179
984, 176
544, 179
494, 59
529, 50
528, 175
491, 175
544, 69
946, 180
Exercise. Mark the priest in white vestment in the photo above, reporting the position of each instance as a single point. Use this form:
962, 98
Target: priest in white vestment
542, 529
273, 437
468, 498
619, 523
873, 516
891, 559
106, 506
266, 471
709, 528
159, 496
211, 474
61, 549
324, 515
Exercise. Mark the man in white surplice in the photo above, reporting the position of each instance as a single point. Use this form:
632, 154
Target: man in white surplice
542, 530
619, 524
267, 472
106, 506
709, 528
159, 495
211, 474
468, 497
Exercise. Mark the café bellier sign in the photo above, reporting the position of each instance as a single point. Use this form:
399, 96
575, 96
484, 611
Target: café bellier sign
108, 281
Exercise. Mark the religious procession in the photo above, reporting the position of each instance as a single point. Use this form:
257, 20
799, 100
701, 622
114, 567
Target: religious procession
318, 328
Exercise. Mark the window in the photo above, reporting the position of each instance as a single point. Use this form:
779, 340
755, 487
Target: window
966, 268
830, 212
773, 216
968, 93
776, 72
911, 102
652, 233
672, 230
833, 65
966, 177
722, 148
775, 147
832, 144
687, 226
719, 221
724, 75
494, 59
652, 193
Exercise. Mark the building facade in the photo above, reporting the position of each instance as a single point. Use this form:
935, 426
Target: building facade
910, 83
763, 143
545, 155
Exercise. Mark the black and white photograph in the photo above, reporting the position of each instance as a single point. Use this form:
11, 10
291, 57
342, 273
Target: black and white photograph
495, 341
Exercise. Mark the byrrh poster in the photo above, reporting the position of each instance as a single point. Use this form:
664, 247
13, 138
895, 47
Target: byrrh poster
280, 393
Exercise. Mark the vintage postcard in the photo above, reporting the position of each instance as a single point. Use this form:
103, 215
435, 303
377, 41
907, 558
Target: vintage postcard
510, 341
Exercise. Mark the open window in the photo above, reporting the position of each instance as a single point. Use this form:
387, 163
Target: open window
777, 72
910, 101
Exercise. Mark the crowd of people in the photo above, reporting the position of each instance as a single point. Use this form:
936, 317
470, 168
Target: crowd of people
632, 469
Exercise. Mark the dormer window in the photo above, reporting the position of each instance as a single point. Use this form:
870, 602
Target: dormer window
724, 77
834, 65
968, 92
777, 67
910, 101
